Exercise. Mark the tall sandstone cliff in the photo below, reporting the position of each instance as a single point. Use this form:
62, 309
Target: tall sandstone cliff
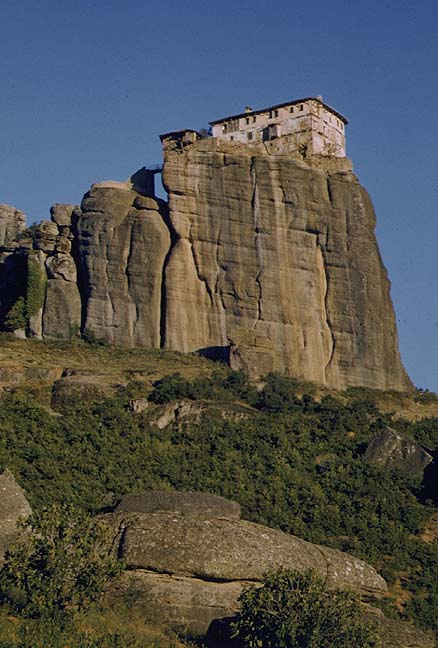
258, 257
279, 258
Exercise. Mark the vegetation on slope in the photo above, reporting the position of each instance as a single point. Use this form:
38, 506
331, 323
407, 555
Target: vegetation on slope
296, 466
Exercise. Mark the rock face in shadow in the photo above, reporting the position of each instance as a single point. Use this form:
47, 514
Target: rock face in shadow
13, 507
122, 243
279, 260
394, 451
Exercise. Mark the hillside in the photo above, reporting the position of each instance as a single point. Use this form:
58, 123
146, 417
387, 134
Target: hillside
291, 454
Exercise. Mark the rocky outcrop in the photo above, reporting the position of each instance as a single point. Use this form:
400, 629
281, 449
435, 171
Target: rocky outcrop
122, 243
394, 451
39, 275
188, 557
190, 504
13, 508
73, 386
186, 413
258, 258
279, 260
222, 549
12, 223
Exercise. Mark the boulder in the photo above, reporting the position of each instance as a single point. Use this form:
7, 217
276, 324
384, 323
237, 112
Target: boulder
82, 387
188, 503
12, 223
61, 266
189, 412
184, 604
61, 317
13, 508
62, 214
220, 549
394, 451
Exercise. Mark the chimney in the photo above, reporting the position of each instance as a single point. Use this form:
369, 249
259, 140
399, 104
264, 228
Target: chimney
248, 109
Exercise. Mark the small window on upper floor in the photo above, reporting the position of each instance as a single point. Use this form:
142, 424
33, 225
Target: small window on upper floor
301, 107
271, 114
254, 119
247, 120
276, 113
250, 136
291, 109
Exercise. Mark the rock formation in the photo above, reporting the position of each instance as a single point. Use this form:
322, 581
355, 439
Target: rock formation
279, 259
12, 223
122, 243
13, 508
188, 556
259, 257
394, 451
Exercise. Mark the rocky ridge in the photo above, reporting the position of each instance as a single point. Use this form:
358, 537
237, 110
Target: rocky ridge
259, 258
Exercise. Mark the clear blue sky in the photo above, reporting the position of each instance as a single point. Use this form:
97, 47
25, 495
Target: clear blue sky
87, 86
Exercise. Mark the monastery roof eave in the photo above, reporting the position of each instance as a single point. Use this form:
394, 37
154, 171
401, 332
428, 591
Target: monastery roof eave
282, 105
178, 132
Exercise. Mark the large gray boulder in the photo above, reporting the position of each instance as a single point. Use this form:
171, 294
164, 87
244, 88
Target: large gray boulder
13, 508
221, 549
394, 451
188, 558
189, 504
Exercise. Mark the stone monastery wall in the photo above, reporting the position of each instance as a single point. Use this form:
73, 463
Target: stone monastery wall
320, 129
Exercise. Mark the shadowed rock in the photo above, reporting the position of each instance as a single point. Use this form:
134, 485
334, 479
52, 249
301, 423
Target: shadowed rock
13, 507
187, 503
394, 451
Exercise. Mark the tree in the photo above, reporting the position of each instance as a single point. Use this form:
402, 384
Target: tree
62, 563
298, 610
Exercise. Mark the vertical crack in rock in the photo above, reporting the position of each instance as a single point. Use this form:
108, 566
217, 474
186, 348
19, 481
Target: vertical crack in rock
164, 213
218, 291
326, 309
329, 191
257, 239
128, 274
198, 269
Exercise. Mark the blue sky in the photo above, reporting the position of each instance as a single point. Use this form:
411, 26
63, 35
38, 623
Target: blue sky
86, 88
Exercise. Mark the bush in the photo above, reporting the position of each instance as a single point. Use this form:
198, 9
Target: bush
294, 610
16, 317
62, 564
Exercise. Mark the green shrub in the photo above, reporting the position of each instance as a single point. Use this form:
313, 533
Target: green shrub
36, 282
294, 610
16, 317
62, 563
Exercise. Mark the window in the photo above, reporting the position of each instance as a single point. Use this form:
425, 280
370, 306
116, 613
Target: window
276, 113
247, 120
301, 107
291, 109
254, 119
270, 114
250, 136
